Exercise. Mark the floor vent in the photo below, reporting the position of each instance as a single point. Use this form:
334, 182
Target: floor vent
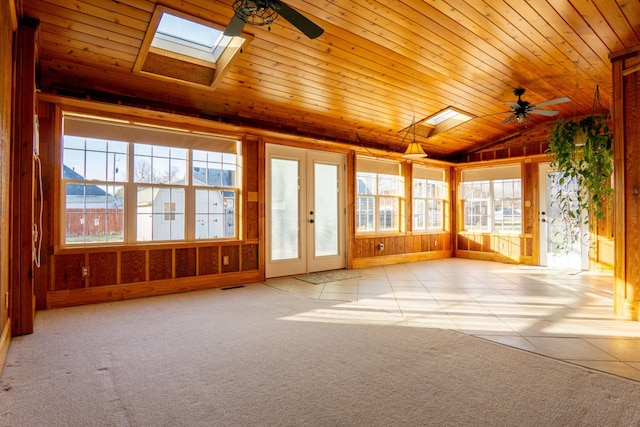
232, 287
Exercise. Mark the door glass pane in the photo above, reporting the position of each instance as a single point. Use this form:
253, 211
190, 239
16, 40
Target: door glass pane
563, 231
285, 242
326, 209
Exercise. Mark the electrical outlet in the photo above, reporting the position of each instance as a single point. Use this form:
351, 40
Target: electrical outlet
85, 271
225, 260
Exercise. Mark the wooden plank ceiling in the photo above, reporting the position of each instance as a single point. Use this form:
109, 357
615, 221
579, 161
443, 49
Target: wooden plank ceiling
378, 66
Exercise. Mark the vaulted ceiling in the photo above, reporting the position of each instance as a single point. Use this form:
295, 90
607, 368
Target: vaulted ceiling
378, 67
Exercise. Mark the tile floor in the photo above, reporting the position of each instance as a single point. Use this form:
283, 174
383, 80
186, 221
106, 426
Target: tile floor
561, 314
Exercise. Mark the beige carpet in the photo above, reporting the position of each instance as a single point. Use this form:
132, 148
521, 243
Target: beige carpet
236, 358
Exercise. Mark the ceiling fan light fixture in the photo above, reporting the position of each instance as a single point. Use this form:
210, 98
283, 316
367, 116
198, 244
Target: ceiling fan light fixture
521, 119
255, 12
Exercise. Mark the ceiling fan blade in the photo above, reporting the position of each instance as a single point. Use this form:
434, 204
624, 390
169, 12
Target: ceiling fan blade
235, 26
299, 21
553, 101
543, 112
507, 120
512, 104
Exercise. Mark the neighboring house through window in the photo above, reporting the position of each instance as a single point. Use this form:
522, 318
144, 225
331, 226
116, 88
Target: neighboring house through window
125, 183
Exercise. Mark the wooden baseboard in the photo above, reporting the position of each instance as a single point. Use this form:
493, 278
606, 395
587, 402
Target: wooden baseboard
99, 294
399, 259
630, 310
492, 256
5, 340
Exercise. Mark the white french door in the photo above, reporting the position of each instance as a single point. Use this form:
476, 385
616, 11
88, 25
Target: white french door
563, 240
305, 211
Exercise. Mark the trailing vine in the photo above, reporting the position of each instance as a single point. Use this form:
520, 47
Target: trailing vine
582, 151
590, 162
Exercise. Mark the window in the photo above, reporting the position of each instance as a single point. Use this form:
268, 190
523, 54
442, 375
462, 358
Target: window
214, 176
187, 48
189, 38
379, 192
492, 205
429, 195
93, 175
507, 205
476, 197
117, 191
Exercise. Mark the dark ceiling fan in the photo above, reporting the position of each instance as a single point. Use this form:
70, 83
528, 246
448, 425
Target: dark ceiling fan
521, 111
264, 12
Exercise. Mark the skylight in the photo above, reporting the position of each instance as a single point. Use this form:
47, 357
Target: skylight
439, 122
447, 114
181, 47
189, 38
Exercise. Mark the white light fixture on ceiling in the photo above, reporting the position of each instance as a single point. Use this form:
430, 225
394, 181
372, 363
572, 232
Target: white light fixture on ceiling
521, 118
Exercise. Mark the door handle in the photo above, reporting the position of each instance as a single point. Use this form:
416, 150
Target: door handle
543, 220
311, 221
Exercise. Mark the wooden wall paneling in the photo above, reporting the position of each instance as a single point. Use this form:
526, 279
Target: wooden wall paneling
626, 106
409, 244
261, 163
462, 242
124, 291
485, 243
103, 268
531, 213
475, 242
623, 187
631, 85
364, 247
68, 272
249, 257
8, 25
208, 260
516, 248
233, 254
185, 261
45, 204
350, 186
516, 151
160, 264
529, 196
22, 206
251, 176
134, 266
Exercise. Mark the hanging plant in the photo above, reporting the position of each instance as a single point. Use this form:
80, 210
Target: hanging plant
582, 151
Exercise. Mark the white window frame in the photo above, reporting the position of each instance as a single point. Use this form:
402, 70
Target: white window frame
92, 128
430, 178
384, 196
486, 201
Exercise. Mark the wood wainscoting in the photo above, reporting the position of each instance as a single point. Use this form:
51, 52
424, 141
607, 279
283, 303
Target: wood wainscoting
511, 248
384, 250
134, 272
